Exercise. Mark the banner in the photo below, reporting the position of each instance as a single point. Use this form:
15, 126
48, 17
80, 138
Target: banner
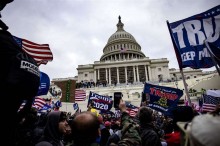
188, 36
44, 84
68, 84
100, 102
162, 99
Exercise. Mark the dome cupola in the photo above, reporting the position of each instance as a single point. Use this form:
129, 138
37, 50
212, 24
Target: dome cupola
121, 45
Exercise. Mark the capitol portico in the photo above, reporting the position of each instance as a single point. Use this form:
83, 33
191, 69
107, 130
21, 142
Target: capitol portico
123, 62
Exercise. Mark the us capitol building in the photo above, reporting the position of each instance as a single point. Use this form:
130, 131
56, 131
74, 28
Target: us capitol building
123, 62
125, 68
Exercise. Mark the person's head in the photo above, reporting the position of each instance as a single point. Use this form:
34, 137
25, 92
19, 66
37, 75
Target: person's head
108, 124
182, 114
100, 118
85, 128
63, 124
145, 115
56, 125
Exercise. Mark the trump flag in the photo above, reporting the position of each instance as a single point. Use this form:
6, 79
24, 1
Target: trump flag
188, 36
162, 99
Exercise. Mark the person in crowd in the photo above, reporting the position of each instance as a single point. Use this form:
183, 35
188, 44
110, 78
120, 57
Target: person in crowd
108, 125
117, 128
55, 129
113, 140
39, 129
180, 114
67, 137
104, 132
149, 137
203, 130
86, 121
85, 128
25, 128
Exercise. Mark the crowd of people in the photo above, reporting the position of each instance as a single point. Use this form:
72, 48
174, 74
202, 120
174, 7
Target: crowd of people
28, 127
147, 128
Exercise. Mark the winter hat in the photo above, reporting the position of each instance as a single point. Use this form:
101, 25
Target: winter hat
205, 130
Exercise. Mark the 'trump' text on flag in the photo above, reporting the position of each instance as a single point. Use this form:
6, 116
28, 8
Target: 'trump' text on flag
188, 36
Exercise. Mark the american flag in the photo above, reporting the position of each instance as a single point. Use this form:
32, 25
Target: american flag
131, 109
41, 53
39, 102
132, 112
209, 103
22, 105
80, 95
123, 50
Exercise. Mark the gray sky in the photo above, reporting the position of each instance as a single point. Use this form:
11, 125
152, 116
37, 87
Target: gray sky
78, 30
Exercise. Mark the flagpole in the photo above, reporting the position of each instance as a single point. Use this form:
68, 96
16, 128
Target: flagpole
209, 50
186, 88
180, 65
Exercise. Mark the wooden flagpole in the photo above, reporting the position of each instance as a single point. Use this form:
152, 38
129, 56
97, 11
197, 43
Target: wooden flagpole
186, 88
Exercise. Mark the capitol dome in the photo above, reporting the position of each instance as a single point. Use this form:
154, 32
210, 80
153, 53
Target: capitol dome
121, 46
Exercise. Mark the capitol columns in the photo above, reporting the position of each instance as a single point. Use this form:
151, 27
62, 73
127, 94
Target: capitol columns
98, 74
134, 74
117, 75
138, 78
95, 80
106, 75
146, 76
149, 73
126, 75
109, 73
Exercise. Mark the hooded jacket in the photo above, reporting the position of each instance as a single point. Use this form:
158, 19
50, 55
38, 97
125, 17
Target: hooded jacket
52, 136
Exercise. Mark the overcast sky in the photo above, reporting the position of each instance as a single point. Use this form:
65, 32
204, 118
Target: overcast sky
78, 30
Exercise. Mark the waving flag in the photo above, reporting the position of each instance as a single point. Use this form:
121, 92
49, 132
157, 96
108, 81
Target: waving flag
188, 37
45, 108
44, 84
80, 95
39, 103
58, 103
100, 102
22, 105
162, 98
123, 50
41, 53
75, 106
131, 109
209, 103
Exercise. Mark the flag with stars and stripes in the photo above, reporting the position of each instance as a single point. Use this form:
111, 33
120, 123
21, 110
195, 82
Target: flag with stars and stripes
209, 103
80, 95
41, 53
131, 109
39, 103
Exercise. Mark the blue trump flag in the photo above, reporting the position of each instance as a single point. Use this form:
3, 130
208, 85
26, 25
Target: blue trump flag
188, 36
100, 102
162, 98
44, 84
